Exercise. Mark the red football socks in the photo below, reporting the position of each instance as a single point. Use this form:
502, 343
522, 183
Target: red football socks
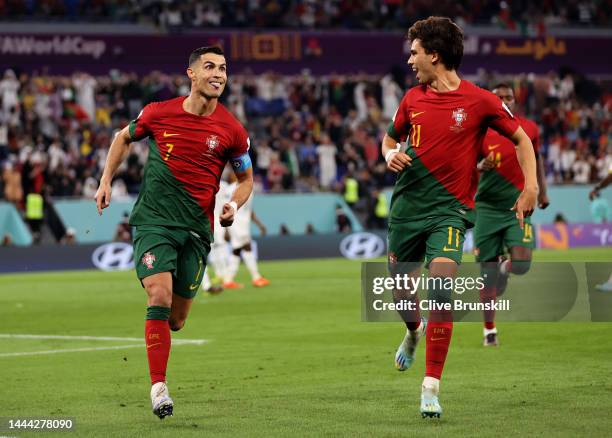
488, 295
157, 339
439, 332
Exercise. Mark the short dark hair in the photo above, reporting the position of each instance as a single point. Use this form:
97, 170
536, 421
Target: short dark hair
502, 85
195, 55
440, 35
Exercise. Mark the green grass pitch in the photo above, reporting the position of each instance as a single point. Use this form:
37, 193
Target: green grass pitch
293, 359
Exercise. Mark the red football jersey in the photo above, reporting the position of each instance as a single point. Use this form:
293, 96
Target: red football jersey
445, 132
194, 150
502, 185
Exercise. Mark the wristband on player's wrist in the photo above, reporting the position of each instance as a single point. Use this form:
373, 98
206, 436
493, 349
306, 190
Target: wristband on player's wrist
234, 205
390, 154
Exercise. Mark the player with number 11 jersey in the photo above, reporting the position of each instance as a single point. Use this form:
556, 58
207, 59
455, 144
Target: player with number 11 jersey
444, 120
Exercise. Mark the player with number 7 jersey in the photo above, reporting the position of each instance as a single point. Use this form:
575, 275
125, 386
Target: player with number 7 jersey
190, 141
444, 120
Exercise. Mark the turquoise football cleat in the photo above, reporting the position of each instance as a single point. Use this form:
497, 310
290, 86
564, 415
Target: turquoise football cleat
406, 352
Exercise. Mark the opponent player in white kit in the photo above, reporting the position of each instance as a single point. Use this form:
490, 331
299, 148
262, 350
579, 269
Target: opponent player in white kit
219, 252
240, 241
225, 261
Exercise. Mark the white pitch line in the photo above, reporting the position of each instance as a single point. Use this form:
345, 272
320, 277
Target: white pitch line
93, 338
71, 350
86, 338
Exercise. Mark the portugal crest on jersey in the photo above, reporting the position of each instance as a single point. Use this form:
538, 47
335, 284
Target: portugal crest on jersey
212, 142
459, 116
148, 259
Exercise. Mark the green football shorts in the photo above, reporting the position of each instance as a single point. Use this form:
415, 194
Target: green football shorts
175, 250
498, 230
425, 239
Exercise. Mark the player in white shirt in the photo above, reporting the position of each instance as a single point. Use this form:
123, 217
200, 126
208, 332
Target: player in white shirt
219, 252
240, 241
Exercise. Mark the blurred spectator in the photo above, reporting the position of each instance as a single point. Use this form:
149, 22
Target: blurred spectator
9, 89
327, 162
581, 170
378, 210
85, 86
123, 233
284, 230
527, 18
7, 240
351, 190
11, 179
34, 215
277, 172
342, 221
69, 238
310, 229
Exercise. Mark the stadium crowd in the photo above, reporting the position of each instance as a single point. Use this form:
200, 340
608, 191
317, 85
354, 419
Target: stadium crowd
521, 15
308, 134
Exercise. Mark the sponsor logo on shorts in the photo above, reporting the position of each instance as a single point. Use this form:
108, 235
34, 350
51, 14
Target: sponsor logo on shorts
148, 259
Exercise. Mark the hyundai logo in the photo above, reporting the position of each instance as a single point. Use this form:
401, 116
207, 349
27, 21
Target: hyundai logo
116, 256
362, 246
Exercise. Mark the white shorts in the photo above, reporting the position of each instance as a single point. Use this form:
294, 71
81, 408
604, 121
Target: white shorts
240, 235
219, 235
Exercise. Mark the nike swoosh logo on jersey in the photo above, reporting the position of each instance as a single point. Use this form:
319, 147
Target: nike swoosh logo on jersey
436, 339
153, 345
416, 114
169, 135
493, 146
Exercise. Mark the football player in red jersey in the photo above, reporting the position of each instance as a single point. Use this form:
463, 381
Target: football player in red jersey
496, 230
444, 119
190, 141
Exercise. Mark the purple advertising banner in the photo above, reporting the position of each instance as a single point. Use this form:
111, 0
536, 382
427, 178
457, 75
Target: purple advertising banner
564, 236
292, 52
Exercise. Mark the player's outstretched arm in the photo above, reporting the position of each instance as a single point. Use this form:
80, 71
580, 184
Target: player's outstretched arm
116, 154
262, 228
543, 200
525, 204
395, 158
240, 196
602, 185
